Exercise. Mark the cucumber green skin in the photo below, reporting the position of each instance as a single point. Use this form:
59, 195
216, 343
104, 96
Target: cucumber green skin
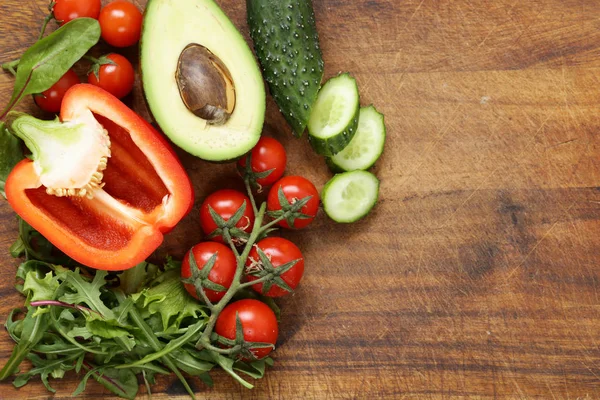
333, 167
359, 217
336, 169
287, 46
332, 145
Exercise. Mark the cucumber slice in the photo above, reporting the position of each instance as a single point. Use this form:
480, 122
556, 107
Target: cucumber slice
366, 146
334, 117
350, 196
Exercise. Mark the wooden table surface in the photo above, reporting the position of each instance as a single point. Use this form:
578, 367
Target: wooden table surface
477, 276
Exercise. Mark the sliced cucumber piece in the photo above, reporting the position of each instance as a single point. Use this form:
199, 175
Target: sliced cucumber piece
366, 146
334, 117
350, 196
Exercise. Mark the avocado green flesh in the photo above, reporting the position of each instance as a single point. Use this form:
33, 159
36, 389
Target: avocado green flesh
170, 26
287, 44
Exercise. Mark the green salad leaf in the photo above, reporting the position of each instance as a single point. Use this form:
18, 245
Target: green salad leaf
79, 321
168, 297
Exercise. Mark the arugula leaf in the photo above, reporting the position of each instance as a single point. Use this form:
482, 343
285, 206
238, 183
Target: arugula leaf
150, 337
14, 326
33, 330
227, 365
55, 346
193, 334
46, 367
255, 369
191, 365
11, 152
86, 292
37, 248
83, 383
80, 332
40, 288
80, 317
134, 279
107, 329
44, 63
170, 299
38, 268
121, 382
206, 379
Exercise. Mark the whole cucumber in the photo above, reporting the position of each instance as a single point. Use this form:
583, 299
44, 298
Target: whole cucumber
287, 45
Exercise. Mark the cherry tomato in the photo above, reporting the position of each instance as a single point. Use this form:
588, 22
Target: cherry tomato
279, 251
121, 23
258, 323
222, 272
295, 188
268, 154
68, 10
116, 78
225, 203
51, 99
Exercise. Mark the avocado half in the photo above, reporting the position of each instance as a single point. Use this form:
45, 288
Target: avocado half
201, 80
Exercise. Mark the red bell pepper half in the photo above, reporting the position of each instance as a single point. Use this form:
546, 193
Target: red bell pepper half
102, 184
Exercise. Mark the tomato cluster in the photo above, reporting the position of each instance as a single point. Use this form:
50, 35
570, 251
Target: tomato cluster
121, 26
263, 166
120, 20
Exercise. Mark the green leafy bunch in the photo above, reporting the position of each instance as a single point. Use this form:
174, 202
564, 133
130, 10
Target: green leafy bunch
100, 326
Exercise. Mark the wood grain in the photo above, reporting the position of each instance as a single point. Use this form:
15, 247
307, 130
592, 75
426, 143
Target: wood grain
477, 274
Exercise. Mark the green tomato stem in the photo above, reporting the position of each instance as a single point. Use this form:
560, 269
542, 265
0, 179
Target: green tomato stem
249, 190
219, 350
93, 60
274, 222
227, 237
235, 286
255, 282
209, 303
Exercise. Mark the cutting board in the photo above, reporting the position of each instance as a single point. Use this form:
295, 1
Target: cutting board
477, 275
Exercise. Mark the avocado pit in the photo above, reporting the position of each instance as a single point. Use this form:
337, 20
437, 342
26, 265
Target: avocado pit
205, 84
